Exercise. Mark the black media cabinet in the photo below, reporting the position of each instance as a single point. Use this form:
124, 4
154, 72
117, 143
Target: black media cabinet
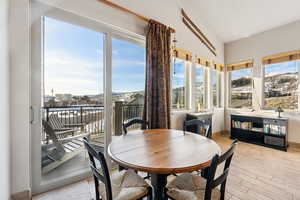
262, 130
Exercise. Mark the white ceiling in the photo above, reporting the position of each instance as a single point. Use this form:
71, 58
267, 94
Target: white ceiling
235, 19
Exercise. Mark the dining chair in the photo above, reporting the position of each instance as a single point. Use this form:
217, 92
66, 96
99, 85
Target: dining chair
123, 185
191, 186
131, 122
200, 123
144, 124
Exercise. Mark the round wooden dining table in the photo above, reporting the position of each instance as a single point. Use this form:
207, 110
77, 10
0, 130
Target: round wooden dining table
162, 152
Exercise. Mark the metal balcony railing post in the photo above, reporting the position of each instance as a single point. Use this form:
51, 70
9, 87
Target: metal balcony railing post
47, 114
80, 114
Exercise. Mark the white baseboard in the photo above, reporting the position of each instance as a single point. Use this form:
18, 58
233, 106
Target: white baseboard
24, 195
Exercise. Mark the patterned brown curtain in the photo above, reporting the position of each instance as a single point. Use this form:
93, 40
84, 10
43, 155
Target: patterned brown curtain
157, 91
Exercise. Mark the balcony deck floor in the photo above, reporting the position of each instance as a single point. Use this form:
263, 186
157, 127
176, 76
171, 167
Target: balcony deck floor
78, 163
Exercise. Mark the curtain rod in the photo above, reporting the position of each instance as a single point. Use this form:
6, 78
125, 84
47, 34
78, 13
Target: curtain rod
198, 36
113, 5
197, 29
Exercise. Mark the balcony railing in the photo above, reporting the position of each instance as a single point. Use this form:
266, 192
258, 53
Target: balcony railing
132, 111
93, 116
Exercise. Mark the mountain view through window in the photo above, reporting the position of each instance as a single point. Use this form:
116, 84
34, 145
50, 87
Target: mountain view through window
281, 86
241, 88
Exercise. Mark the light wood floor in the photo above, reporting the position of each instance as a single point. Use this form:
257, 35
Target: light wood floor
256, 173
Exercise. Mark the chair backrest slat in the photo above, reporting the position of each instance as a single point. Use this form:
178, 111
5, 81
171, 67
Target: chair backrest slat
134, 121
97, 174
213, 182
220, 179
227, 154
55, 122
105, 178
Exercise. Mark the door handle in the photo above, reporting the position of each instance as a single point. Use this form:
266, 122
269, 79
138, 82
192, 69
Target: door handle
32, 117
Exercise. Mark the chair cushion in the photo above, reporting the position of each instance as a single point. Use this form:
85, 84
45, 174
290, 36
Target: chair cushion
126, 185
189, 187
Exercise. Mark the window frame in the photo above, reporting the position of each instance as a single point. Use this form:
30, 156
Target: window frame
229, 89
205, 80
218, 89
187, 84
263, 108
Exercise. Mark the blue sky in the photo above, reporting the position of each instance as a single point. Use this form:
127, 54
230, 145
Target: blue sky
281, 68
236, 74
73, 60
199, 74
178, 73
270, 70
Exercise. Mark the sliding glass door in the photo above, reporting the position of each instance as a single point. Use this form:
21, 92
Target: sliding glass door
86, 80
67, 93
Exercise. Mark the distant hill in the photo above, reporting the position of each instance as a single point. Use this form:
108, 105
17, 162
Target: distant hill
284, 83
278, 84
241, 82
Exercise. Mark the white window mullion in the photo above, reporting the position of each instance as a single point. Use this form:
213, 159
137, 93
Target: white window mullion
229, 89
206, 89
107, 82
193, 87
218, 88
298, 93
187, 78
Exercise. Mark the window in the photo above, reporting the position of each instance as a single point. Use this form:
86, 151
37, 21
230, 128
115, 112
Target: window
200, 88
281, 85
178, 84
216, 88
241, 88
220, 89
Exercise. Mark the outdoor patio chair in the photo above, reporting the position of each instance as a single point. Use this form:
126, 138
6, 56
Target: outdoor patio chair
58, 126
60, 150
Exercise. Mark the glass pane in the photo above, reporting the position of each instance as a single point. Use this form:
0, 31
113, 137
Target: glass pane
219, 89
73, 97
200, 88
241, 88
178, 84
128, 82
214, 87
281, 86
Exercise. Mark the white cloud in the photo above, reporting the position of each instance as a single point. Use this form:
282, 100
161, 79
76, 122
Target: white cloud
69, 74
128, 63
181, 76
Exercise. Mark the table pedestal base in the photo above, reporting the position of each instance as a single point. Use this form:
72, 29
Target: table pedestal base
159, 182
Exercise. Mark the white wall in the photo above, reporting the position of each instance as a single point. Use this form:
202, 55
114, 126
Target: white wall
164, 11
4, 103
19, 83
278, 40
